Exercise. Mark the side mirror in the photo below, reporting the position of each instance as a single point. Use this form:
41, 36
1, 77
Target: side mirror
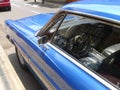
43, 39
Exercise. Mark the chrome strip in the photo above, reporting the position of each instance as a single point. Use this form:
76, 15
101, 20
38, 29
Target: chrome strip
84, 68
93, 16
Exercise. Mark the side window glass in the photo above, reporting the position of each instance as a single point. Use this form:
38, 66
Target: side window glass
93, 44
65, 30
54, 28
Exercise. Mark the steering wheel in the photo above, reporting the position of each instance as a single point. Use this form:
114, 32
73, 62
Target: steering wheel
80, 47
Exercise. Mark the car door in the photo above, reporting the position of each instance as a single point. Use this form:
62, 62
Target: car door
60, 64
53, 60
40, 64
57, 65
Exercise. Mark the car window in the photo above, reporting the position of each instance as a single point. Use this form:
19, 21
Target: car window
52, 27
94, 44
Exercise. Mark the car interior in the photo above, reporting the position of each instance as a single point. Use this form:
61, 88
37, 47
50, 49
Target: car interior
90, 43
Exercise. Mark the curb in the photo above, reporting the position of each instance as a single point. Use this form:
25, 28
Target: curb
8, 77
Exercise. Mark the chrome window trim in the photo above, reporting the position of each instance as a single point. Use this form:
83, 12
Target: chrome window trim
96, 17
111, 87
49, 24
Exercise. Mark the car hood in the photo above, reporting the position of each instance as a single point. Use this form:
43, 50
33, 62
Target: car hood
29, 25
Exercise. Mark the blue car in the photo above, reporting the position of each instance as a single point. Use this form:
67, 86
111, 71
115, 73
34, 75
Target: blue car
77, 48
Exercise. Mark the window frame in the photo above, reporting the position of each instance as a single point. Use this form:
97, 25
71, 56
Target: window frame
65, 12
50, 24
100, 20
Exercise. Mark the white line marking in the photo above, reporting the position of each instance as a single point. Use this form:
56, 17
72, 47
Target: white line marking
27, 4
32, 5
36, 12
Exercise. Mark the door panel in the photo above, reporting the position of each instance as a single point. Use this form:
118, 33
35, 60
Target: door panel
52, 67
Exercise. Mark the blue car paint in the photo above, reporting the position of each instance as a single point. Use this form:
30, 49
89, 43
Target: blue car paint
31, 24
27, 39
51, 57
67, 69
35, 22
101, 8
58, 65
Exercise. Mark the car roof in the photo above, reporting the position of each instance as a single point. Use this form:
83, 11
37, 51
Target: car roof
109, 9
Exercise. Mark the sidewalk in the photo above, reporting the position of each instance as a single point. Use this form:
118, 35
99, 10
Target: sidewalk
8, 77
46, 3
